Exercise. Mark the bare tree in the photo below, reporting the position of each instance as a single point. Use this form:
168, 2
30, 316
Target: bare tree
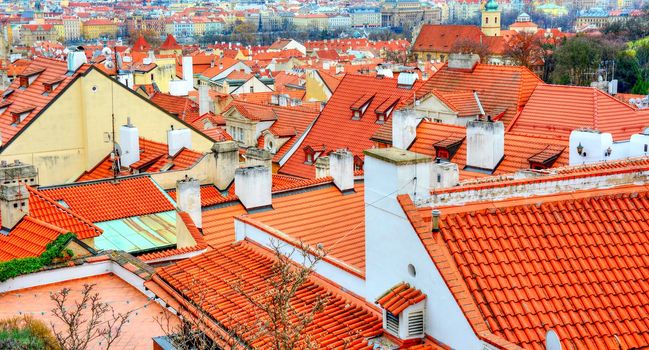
86, 320
276, 321
525, 49
471, 46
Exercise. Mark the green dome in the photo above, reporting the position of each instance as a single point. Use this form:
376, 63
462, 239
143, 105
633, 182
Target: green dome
491, 5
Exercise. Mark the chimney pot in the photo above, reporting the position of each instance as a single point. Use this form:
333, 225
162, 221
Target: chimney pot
436, 214
188, 198
341, 168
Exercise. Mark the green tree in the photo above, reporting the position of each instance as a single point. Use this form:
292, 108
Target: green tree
578, 59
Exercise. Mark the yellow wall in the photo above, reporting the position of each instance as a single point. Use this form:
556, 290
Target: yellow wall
70, 136
95, 31
315, 88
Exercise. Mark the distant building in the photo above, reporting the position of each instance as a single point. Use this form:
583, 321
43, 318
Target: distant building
99, 28
408, 13
72, 28
363, 17
491, 19
31, 33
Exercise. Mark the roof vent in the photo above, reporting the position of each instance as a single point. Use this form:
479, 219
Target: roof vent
407, 80
463, 61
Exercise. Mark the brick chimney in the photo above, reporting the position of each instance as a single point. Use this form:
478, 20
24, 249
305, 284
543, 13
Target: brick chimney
188, 198
253, 186
14, 197
226, 154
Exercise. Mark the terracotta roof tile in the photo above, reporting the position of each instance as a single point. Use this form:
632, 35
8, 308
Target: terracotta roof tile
46, 209
519, 148
556, 110
105, 200
344, 322
170, 43
335, 128
569, 262
400, 297
27, 239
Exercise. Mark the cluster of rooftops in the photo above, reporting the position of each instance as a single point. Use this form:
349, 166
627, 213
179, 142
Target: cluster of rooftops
477, 209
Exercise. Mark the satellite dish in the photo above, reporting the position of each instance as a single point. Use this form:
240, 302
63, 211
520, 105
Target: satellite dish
552, 341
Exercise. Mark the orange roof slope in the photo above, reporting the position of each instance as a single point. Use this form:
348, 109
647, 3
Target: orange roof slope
292, 122
400, 297
574, 263
170, 43
322, 216
33, 99
518, 148
137, 335
556, 110
48, 210
28, 238
441, 38
154, 156
500, 88
344, 322
105, 200
180, 106
218, 223
141, 45
335, 129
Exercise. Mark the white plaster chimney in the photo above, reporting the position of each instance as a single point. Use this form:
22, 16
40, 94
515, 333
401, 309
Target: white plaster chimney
322, 167
639, 144
14, 196
341, 168
129, 140
444, 174
485, 144
257, 156
76, 58
253, 186
188, 198
404, 128
188, 71
203, 99
178, 139
226, 154
393, 171
589, 146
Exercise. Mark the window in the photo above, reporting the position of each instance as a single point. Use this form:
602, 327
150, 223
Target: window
645, 148
411, 268
495, 19
428, 57
252, 89
392, 323
416, 323
486, 20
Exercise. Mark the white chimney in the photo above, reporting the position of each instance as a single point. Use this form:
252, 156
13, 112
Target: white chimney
76, 58
444, 174
393, 171
188, 71
485, 144
253, 186
639, 144
256, 156
341, 168
151, 56
129, 139
226, 155
203, 99
589, 146
188, 198
178, 139
404, 128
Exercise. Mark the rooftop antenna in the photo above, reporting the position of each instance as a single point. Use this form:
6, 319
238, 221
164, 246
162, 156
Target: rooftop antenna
115, 156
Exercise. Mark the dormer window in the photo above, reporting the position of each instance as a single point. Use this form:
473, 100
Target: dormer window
50, 86
311, 154
385, 108
360, 106
546, 158
20, 114
404, 311
446, 148
358, 163
4, 105
27, 78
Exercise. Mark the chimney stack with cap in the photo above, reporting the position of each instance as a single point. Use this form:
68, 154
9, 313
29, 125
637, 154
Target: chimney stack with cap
129, 140
258, 156
322, 167
188, 198
485, 144
341, 168
253, 186
14, 196
226, 155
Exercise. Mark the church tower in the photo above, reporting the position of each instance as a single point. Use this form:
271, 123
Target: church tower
491, 18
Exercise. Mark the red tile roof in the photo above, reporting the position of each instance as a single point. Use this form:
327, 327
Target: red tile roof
141, 45
46, 209
210, 195
170, 43
322, 216
27, 239
105, 200
181, 106
500, 88
519, 148
556, 110
335, 129
32, 96
399, 297
442, 38
344, 322
153, 157
568, 262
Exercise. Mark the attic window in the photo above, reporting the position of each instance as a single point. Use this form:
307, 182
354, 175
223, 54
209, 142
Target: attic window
51, 85
385, 108
446, 148
309, 155
360, 106
546, 158
20, 114
7, 93
358, 163
4, 105
27, 78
